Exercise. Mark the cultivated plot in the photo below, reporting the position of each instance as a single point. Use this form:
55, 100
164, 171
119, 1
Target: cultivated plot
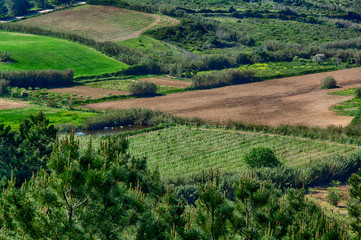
182, 151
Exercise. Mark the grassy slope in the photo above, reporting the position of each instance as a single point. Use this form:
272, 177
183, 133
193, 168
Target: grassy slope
101, 23
14, 117
37, 52
181, 151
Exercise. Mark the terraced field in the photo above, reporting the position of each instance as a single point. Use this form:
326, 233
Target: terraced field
31, 52
101, 23
183, 151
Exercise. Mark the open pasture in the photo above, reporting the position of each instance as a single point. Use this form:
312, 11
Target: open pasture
31, 52
294, 100
14, 117
182, 151
101, 23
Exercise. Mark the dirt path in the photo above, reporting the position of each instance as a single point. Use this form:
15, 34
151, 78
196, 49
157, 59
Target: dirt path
137, 34
294, 100
6, 104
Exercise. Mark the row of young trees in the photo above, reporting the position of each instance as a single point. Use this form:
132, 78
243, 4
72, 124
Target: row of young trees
60, 190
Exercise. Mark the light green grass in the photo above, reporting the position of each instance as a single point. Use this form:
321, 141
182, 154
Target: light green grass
14, 117
122, 85
180, 152
281, 69
350, 107
32, 52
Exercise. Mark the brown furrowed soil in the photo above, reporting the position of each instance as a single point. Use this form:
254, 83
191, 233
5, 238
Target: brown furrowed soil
88, 91
6, 104
168, 82
101, 23
294, 100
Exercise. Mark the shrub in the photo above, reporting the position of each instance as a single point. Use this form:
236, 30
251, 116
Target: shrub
319, 58
261, 157
328, 82
358, 92
43, 78
3, 86
142, 88
5, 57
334, 195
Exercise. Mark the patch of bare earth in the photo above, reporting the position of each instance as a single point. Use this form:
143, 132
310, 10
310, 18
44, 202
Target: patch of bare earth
167, 82
294, 100
88, 91
5, 104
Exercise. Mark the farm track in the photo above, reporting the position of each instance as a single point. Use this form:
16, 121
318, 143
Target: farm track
293, 100
5, 104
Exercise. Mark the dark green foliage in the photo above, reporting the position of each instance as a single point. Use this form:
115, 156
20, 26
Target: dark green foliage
86, 194
334, 195
222, 78
354, 204
142, 88
135, 116
3, 86
24, 152
17, 7
43, 78
261, 157
328, 82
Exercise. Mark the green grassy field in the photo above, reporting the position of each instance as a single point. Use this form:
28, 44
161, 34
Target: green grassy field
101, 23
31, 52
14, 117
350, 107
180, 152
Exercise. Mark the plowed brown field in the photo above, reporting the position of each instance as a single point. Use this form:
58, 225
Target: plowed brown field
294, 100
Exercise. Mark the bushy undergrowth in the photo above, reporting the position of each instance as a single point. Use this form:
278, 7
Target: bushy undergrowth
43, 78
358, 92
261, 157
135, 116
328, 82
222, 78
142, 88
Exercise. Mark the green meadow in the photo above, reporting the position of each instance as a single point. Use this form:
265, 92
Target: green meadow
14, 117
31, 52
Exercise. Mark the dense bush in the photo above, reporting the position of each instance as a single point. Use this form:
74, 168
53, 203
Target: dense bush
3, 86
42, 78
5, 57
328, 82
222, 78
261, 157
142, 88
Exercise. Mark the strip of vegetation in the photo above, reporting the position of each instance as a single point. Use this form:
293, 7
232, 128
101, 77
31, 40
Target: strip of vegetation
43, 78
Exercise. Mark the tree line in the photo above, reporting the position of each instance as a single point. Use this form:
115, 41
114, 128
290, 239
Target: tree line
18, 7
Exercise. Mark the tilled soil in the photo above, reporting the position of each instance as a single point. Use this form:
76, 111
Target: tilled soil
294, 100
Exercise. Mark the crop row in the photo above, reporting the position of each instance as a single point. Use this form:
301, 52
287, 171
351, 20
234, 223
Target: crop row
183, 151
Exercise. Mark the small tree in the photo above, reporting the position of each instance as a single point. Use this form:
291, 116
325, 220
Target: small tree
142, 88
328, 82
319, 58
4, 86
261, 157
358, 92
